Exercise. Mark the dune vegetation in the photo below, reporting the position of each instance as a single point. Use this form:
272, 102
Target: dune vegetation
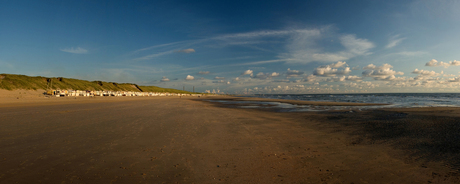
13, 82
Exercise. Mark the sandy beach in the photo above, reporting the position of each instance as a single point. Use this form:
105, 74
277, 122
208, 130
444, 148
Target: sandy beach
191, 140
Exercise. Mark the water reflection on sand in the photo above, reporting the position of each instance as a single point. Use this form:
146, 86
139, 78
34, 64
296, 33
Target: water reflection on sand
287, 107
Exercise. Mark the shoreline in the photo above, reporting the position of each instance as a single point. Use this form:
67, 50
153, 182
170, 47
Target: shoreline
377, 107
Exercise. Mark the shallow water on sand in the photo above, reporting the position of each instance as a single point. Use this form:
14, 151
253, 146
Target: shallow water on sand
286, 107
398, 100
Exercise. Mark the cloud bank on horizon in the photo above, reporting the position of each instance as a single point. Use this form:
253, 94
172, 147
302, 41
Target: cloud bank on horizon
270, 47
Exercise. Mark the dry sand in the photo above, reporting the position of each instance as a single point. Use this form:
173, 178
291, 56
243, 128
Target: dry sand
186, 140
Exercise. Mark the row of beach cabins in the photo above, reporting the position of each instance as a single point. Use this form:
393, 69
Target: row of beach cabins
64, 93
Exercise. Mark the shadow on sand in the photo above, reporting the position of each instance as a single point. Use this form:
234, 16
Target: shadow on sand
424, 138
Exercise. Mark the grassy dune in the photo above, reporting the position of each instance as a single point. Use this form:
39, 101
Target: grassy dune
13, 82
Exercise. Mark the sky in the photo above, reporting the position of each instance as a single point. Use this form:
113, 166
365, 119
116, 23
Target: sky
238, 47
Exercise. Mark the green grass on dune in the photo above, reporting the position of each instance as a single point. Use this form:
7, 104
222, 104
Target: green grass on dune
12, 82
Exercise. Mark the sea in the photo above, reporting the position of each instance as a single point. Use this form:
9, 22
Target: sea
394, 100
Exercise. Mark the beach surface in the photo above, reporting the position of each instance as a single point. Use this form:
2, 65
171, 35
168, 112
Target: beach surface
297, 102
191, 140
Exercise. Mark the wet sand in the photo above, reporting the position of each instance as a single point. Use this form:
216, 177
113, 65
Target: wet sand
295, 102
186, 140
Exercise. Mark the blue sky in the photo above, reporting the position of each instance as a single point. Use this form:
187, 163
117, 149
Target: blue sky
238, 46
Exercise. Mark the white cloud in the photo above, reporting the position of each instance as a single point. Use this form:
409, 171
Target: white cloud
243, 39
454, 63
261, 62
77, 50
456, 79
434, 62
186, 51
355, 45
203, 72
353, 78
247, 72
426, 73
310, 78
338, 64
262, 75
293, 73
368, 84
389, 78
281, 80
268, 33
373, 67
344, 78
327, 71
395, 40
411, 53
336, 79
381, 73
274, 74
147, 57
157, 46
189, 77
325, 57
303, 47
165, 49
221, 81
164, 79
424, 78
219, 78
